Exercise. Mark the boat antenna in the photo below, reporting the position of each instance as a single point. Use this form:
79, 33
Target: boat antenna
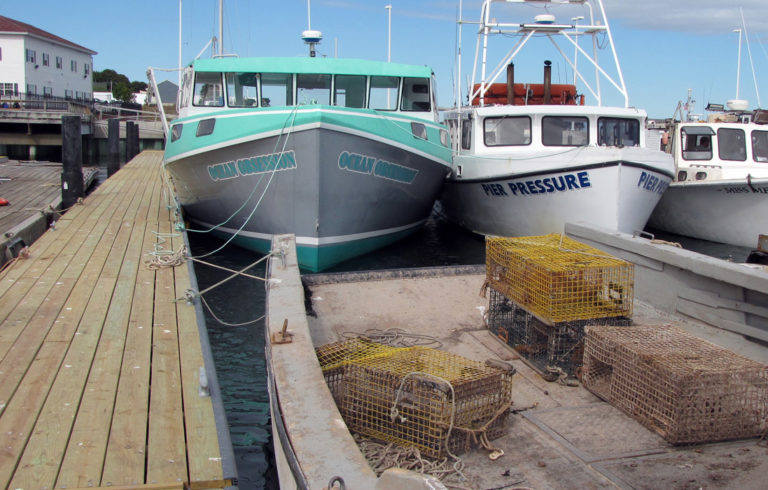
749, 52
310, 37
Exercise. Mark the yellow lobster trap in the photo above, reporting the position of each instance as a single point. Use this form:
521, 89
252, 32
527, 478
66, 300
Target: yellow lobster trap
433, 400
559, 279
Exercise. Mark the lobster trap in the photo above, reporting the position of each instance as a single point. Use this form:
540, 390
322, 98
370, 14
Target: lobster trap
559, 279
554, 350
684, 388
435, 401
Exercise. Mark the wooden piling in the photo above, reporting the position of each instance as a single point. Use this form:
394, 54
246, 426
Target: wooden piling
72, 161
113, 146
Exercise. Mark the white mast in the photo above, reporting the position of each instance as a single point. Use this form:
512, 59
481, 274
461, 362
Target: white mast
179, 44
221, 27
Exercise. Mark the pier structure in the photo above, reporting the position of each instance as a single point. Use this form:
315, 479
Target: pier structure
32, 126
106, 377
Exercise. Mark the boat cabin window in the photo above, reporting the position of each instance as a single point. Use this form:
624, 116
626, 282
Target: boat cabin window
731, 144
383, 94
564, 131
242, 89
466, 134
507, 131
349, 91
760, 146
208, 90
613, 131
313, 88
416, 95
276, 89
186, 92
696, 142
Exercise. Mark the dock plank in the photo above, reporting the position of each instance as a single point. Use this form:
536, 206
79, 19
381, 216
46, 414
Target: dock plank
63, 403
126, 446
99, 367
86, 451
165, 448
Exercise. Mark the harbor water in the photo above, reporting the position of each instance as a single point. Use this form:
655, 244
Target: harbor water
234, 309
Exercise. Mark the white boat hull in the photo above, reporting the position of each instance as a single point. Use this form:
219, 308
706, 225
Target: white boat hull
614, 195
733, 212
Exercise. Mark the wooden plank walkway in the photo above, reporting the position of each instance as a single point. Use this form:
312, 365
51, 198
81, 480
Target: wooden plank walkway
33, 190
100, 370
31, 187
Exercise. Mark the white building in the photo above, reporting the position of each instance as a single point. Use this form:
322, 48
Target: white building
36, 62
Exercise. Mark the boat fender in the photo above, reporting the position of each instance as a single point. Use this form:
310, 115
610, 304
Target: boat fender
4, 201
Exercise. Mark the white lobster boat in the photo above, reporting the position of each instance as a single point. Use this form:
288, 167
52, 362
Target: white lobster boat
720, 192
529, 158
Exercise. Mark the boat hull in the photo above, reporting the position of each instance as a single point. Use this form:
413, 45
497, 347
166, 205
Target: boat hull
733, 212
342, 193
617, 195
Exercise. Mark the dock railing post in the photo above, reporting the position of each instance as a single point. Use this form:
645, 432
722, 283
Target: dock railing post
72, 186
113, 146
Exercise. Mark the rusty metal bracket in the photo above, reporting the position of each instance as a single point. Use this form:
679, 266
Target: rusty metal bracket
283, 336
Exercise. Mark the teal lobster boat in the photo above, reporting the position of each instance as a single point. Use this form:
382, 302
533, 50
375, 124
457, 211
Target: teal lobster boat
345, 154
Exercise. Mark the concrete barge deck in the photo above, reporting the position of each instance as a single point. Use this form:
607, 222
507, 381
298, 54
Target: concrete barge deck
557, 436
105, 379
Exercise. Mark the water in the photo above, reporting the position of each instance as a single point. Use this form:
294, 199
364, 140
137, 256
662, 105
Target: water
238, 351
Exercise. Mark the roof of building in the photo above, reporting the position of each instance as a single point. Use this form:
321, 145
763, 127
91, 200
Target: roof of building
12, 26
168, 91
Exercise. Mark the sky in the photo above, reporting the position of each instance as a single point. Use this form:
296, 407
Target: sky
664, 47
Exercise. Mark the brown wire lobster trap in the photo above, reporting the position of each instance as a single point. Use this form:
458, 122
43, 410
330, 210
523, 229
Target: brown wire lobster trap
559, 279
684, 388
435, 401
555, 351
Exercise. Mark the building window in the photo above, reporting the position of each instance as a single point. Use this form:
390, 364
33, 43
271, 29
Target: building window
87, 68
9, 89
67, 94
46, 60
73, 65
47, 91
31, 56
59, 62
31, 89
1, 54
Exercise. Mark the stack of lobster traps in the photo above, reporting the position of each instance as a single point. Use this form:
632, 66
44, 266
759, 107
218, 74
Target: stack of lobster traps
545, 289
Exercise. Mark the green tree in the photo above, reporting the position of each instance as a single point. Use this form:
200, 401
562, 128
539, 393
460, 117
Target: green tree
122, 87
122, 92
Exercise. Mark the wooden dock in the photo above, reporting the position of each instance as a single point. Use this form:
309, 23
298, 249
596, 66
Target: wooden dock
102, 374
33, 190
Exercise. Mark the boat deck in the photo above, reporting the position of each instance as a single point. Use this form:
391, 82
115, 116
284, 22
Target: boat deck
100, 369
558, 436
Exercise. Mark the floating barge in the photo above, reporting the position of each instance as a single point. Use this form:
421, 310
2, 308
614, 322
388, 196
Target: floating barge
556, 435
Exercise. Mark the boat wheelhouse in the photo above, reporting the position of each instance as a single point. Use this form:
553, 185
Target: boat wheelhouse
530, 157
720, 192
